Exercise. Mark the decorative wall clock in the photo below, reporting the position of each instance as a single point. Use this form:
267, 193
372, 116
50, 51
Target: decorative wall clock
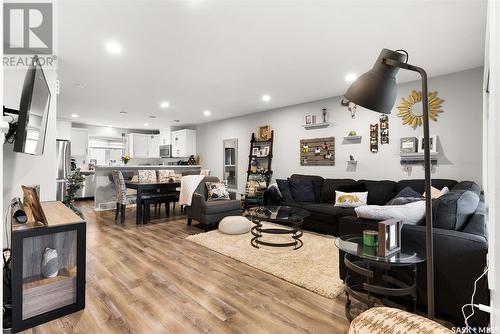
407, 108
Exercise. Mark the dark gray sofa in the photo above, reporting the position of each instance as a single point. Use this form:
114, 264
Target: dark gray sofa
460, 240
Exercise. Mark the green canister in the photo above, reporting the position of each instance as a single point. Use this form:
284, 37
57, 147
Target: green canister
370, 238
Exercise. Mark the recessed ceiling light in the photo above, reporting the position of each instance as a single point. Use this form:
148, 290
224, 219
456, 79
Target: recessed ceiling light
164, 104
351, 77
266, 98
113, 47
207, 113
74, 115
152, 116
176, 120
146, 124
123, 112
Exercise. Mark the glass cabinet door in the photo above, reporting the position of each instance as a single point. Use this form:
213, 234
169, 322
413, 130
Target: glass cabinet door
230, 165
49, 273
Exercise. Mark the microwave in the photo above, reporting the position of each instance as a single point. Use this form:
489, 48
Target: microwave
165, 151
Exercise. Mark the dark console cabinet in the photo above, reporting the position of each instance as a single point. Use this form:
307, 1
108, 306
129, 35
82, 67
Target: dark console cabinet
36, 298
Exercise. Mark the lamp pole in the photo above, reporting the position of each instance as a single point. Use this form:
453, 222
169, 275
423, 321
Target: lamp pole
427, 172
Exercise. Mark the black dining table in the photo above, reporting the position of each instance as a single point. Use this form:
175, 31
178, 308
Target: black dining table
145, 187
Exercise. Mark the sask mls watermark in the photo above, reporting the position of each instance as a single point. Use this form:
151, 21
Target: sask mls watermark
28, 30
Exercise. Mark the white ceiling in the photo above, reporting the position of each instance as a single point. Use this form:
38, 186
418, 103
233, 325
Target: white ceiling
224, 55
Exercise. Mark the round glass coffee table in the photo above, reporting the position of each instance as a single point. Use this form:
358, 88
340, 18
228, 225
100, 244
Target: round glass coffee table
290, 217
372, 279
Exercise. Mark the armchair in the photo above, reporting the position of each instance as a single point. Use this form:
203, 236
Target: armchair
210, 213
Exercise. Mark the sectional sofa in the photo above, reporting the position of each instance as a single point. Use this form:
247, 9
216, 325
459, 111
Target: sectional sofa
460, 235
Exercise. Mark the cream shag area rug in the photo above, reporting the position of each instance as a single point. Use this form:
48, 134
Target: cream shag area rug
314, 267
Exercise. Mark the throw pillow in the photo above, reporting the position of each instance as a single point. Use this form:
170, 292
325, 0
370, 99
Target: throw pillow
216, 191
284, 188
350, 200
405, 196
302, 190
411, 213
453, 210
436, 193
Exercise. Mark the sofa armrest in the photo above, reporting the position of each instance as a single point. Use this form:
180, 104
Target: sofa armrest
197, 203
459, 259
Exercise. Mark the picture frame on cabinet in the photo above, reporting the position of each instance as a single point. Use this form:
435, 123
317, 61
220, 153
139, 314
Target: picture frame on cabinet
432, 144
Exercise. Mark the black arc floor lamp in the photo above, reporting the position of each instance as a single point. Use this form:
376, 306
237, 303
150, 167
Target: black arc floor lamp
376, 90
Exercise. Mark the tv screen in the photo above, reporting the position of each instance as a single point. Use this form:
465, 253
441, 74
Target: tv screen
33, 112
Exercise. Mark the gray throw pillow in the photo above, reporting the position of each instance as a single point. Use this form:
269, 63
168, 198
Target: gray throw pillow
454, 209
405, 196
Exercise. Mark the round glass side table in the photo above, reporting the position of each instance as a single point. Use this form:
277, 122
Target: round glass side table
372, 279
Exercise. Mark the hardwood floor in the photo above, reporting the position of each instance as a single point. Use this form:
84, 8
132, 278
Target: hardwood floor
151, 280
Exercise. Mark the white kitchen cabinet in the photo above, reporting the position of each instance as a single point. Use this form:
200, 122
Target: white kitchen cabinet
153, 146
143, 145
183, 143
138, 145
165, 136
79, 142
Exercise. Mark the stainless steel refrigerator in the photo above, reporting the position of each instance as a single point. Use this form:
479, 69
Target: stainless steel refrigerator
63, 151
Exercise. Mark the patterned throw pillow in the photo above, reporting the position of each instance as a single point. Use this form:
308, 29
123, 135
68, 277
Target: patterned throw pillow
216, 191
147, 175
350, 200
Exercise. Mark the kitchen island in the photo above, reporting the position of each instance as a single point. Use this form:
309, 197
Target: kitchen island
105, 194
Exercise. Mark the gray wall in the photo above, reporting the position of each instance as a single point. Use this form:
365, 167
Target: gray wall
24, 169
459, 129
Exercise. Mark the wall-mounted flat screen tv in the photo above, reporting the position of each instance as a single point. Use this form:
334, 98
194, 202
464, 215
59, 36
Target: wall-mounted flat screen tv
33, 112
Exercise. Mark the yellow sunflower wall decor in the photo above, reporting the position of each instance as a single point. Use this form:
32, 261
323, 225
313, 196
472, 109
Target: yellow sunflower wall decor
413, 119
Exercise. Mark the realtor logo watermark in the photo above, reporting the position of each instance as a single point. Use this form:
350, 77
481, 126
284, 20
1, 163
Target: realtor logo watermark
28, 30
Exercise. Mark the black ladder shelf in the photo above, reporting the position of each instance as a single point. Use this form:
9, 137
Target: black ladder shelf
263, 173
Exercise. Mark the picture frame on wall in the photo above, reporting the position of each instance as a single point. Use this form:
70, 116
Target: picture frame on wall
265, 132
432, 144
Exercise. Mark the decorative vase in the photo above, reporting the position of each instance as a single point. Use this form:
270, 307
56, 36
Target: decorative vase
50, 264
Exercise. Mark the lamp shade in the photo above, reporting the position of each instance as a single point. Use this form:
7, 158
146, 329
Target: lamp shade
376, 89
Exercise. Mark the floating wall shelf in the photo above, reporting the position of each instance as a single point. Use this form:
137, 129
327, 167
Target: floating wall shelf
316, 125
417, 157
353, 138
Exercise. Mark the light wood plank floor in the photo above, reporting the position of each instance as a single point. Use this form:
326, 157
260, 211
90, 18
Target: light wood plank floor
151, 280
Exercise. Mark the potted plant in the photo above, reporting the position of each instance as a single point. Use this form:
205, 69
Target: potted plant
75, 182
126, 159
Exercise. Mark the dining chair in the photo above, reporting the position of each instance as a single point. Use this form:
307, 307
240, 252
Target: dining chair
205, 172
164, 175
122, 198
147, 175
